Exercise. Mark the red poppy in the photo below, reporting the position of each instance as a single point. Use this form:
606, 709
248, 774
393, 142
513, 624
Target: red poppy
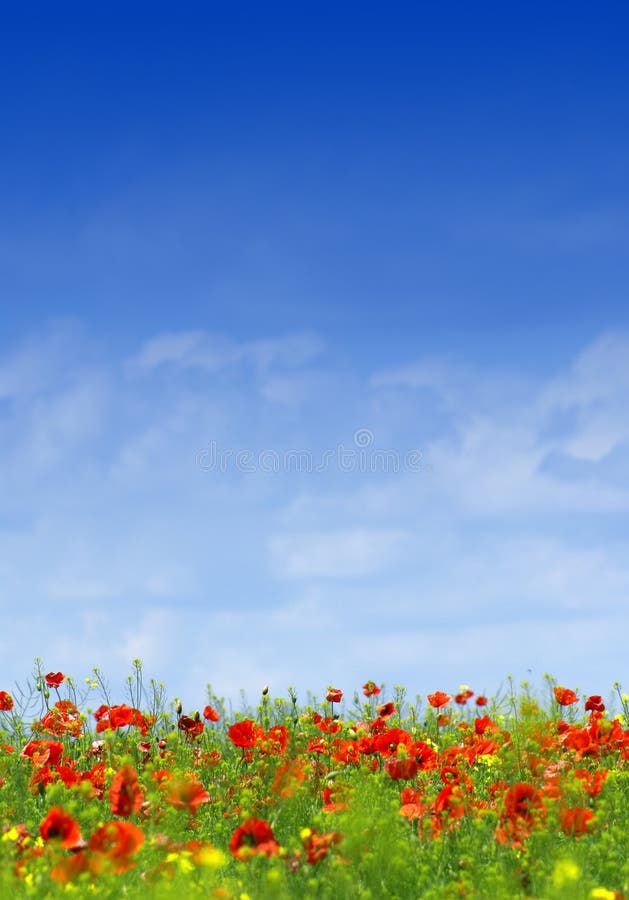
412, 807
565, 697
424, 755
6, 701
60, 826
125, 795
54, 679
371, 689
63, 718
191, 727
43, 752
288, 778
580, 740
439, 699
111, 718
276, 740
345, 752
523, 801
483, 724
317, 845
328, 725
96, 777
388, 742
68, 868
463, 697
523, 806
211, 714
187, 794
595, 703
386, 710
592, 782
334, 695
448, 807
245, 734
335, 798
576, 820
115, 842
481, 701
401, 768
252, 837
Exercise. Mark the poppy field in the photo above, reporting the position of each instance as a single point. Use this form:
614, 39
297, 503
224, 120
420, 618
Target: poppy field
363, 794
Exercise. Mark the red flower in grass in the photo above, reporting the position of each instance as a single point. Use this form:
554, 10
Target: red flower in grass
187, 794
579, 740
289, 777
63, 718
113, 717
401, 768
335, 798
252, 837
576, 820
43, 752
6, 701
114, 843
345, 752
54, 679
481, 701
483, 724
412, 807
386, 710
592, 783
424, 755
125, 795
523, 801
388, 742
327, 725
439, 699
463, 697
448, 807
210, 714
334, 695
60, 826
595, 703
245, 734
317, 845
565, 697
276, 740
371, 689
523, 807
68, 868
191, 727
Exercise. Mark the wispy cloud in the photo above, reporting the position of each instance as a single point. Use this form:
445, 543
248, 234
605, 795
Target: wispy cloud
355, 553
210, 352
114, 543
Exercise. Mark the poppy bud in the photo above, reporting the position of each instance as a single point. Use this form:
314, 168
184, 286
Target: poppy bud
179, 707
265, 690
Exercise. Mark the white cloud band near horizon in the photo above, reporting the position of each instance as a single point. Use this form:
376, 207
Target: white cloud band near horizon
508, 553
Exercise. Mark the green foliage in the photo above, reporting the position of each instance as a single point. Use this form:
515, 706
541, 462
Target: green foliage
398, 799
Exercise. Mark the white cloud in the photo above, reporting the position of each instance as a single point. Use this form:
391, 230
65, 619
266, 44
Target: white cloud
336, 554
114, 543
211, 352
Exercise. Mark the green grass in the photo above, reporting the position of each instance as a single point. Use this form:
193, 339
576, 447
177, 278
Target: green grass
516, 798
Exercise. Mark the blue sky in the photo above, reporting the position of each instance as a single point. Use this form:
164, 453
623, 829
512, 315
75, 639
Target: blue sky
268, 232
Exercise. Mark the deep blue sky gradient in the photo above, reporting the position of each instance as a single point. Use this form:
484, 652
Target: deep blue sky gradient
399, 180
